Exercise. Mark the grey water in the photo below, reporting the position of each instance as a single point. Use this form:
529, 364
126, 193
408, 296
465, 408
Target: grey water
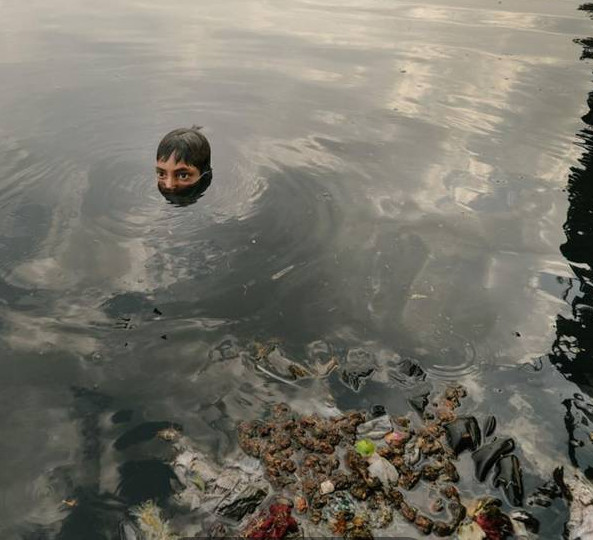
392, 180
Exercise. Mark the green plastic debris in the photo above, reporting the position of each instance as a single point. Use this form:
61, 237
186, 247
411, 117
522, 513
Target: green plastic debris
365, 447
199, 482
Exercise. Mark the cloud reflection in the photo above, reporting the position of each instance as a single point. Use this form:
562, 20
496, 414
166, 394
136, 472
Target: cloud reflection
405, 162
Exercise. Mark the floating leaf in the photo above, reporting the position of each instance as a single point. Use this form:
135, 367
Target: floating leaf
365, 447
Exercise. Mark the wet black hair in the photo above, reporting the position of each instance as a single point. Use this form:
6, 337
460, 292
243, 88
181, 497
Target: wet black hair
188, 145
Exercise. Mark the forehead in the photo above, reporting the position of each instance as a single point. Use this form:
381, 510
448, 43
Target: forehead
171, 164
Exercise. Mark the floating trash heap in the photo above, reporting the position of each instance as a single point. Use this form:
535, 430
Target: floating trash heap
356, 476
352, 473
361, 467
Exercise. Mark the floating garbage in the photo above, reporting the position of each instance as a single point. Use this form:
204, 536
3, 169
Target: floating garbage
463, 434
355, 378
275, 523
545, 494
149, 524
169, 434
494, 523
231, 492
359, 366
487, 521
489, 426
375, 429
326, 487
365, 447
146, 431
470, 531
383, 470
408, 372
396, 438
419, 402
578, 490
525, 525
486, 457
370, 461
238, 505
377, 411
271, 360
352, 476
508, 476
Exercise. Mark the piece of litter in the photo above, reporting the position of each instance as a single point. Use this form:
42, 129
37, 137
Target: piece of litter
326, 487
282, 272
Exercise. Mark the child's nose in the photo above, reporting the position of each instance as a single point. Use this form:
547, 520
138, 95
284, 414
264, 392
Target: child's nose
169, 181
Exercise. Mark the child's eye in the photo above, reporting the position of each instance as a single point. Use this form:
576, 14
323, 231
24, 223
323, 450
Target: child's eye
160, 174
183, 176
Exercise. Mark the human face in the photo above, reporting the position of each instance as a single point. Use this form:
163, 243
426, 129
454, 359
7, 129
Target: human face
176, 177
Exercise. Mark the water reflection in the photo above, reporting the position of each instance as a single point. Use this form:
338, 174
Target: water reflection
571, 351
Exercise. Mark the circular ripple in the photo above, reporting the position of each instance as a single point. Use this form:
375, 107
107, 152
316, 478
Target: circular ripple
457, 358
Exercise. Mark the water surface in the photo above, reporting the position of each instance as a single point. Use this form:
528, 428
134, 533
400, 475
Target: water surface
390, 180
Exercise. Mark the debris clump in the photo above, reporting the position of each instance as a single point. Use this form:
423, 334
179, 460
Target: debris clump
151, 524
352, 472
351, 475
273, 523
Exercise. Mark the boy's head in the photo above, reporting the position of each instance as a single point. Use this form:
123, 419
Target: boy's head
183, 161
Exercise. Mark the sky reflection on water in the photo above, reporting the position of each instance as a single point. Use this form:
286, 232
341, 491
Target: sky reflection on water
387, 176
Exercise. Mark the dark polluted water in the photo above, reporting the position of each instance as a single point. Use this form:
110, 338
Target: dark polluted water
402, 189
